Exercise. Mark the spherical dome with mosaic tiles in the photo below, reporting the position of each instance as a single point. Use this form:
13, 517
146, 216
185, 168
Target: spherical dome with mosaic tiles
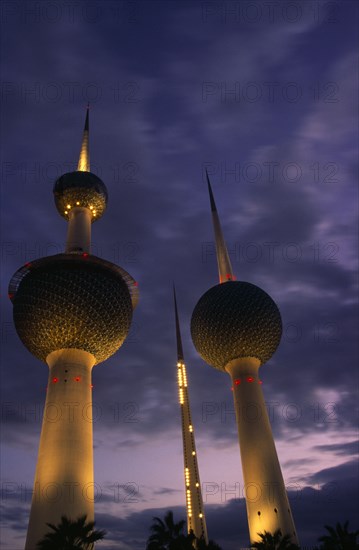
235, 319
72, 301
80, 189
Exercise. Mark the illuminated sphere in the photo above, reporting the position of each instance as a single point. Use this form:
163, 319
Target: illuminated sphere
80, 189
235, 319
71, 301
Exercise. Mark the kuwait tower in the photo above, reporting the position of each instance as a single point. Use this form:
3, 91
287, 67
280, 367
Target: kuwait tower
196, 521
236, 327
72, 311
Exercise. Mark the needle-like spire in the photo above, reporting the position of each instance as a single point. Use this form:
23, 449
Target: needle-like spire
178, 331
196, 521
84, 160
224, 264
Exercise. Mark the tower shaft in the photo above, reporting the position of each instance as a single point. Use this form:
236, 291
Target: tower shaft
79, 230
196, 521
267, 503
64, 479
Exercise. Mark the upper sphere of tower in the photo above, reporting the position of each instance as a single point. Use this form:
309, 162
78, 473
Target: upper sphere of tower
235, 319
72, 301
80, 189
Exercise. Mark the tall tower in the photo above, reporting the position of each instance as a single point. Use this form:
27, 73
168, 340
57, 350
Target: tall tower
236, 327
196, 520
72, 311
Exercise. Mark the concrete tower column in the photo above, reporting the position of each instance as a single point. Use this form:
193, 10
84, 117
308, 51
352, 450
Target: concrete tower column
64, 481
266, 498
79, 230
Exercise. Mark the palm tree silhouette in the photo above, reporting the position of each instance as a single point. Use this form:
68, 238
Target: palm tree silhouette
71, 535
274, 541
168, 535
165, 533
201, 545
339, 538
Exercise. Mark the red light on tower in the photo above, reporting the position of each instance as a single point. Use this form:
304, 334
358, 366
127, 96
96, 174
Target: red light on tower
250, 379
77, 378
237, 382
55, 380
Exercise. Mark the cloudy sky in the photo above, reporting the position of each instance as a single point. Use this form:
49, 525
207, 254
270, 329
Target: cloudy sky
263, 95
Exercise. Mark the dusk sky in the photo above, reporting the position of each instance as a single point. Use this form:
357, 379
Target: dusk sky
264, 95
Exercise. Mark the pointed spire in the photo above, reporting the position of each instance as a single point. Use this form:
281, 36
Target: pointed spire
84, 160
211, 197
178, 331
224, 264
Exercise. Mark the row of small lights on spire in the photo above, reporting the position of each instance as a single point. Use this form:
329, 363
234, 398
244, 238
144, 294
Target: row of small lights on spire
68, 206
182, 365
188, 494
249, 379
182, 381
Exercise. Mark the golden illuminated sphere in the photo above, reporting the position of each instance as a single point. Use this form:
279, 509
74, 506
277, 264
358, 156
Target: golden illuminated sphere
72, 301
235, 319
80, 189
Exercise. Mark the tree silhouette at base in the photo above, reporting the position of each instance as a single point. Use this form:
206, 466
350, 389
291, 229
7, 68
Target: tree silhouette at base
274, 541
201, 545
165, 533
169, 535
71, 535
339, 538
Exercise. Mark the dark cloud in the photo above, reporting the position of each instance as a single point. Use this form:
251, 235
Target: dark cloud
348, 470
165, 491
350, 448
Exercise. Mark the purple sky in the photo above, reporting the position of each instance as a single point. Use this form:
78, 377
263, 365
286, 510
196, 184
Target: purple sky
263, 94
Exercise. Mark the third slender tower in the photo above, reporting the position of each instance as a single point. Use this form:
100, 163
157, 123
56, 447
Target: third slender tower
196, 521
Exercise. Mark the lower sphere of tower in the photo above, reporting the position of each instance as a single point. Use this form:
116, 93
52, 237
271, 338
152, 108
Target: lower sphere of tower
69, 301
235, 319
